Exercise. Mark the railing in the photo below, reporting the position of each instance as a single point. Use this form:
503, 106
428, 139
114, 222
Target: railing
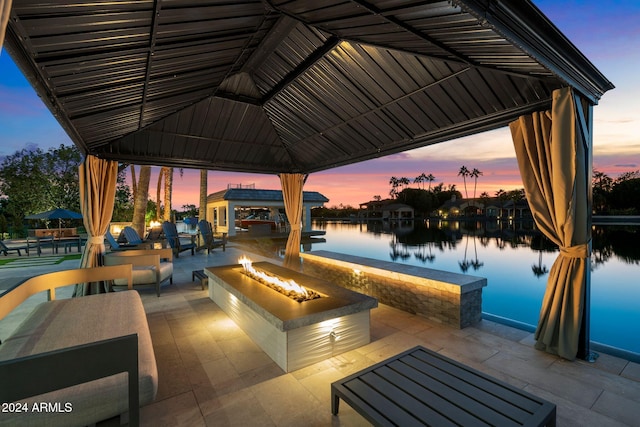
249, 186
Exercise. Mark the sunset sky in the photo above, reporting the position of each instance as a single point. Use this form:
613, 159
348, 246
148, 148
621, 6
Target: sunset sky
606, 32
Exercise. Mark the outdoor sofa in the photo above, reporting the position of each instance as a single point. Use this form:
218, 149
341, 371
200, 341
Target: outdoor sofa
63, 344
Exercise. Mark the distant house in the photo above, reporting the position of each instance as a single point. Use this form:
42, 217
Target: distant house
397, 211
225, 208
385, 209
373, 208
451, 208
517, 210
490, 208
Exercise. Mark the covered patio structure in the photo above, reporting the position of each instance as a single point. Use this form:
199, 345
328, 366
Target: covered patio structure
297, 87
222, 207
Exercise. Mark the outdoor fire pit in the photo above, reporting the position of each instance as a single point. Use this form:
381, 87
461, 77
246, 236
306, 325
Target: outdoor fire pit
295, 332
288, 288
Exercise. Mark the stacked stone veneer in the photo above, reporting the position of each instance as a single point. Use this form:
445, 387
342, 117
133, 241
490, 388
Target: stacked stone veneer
450, 298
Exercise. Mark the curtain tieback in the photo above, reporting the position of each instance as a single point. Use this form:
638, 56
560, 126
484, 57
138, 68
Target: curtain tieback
295, 227
96, 240
577, 251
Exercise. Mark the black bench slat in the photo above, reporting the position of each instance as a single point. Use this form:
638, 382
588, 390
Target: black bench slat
456, 393
519, 398
386, 408
513, 397
421, 387
412, 399
339, 391
438, 397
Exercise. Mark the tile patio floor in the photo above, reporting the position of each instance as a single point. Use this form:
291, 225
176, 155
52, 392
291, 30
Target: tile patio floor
212, 374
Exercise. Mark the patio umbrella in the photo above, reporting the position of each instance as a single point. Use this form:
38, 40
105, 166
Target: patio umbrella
58, 214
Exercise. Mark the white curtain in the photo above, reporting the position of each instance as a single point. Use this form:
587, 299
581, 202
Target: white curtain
5, 9
292, 184
552, 149
98, 180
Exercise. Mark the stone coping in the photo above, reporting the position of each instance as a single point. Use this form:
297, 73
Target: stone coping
280, 310
444, 280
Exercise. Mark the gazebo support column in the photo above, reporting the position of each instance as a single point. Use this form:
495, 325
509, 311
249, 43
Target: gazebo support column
585, 121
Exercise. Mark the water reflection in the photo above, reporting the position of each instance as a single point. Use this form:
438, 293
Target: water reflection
541, 244
620, 241
515, 258
424, 240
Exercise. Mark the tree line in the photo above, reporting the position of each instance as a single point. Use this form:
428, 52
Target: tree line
620, 196
33, 181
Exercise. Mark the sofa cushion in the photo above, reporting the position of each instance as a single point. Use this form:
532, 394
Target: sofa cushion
63, 323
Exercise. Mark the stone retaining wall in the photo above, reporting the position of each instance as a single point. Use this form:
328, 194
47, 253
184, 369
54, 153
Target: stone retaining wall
449, 298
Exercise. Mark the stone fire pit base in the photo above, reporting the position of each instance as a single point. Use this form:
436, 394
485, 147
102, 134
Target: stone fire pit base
293, 334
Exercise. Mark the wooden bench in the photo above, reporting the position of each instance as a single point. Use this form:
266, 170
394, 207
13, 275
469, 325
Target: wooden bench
420, 387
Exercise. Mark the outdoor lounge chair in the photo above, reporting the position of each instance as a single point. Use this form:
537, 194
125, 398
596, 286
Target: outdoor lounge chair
210, 241
155, 234
132, 236
13, 248
150, 266
115, 246
175, 242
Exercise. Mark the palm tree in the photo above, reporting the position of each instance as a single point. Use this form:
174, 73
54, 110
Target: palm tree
465, 173
430, 178
202, 212
394, 186
475, 173
134, 182
539, 270
484, 198
165, 175
476, 264
502, 197
404, 181
168, 190
140, 198
465, 263
158, 192
420, 179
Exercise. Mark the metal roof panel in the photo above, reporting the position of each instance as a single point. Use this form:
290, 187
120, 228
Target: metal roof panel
287, 85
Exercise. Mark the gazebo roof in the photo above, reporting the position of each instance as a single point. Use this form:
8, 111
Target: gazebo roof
258, 195
288, 85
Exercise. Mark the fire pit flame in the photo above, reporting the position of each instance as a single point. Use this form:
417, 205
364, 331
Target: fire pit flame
287, 287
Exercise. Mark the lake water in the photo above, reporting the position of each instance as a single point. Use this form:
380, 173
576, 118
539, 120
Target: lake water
515, 259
